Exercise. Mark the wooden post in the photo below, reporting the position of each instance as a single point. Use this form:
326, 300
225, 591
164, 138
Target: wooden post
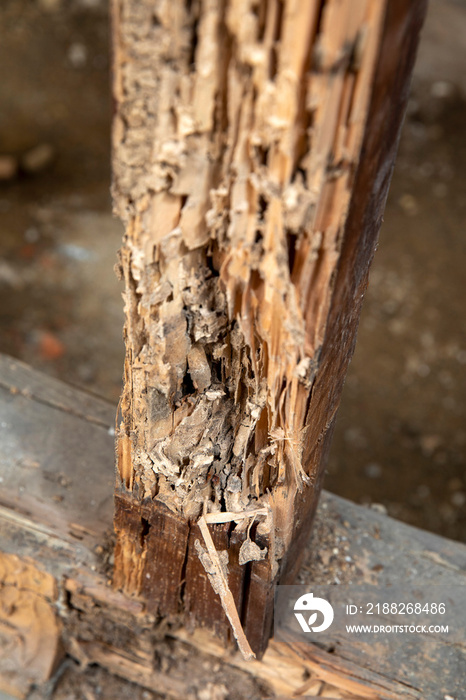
253, 146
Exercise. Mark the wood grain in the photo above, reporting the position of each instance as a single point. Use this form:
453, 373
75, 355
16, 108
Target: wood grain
253, 148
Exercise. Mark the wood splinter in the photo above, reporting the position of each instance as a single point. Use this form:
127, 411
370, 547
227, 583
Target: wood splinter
253, 147
215, 570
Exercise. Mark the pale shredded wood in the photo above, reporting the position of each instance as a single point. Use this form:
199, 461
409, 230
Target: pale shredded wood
234, 517
236, 140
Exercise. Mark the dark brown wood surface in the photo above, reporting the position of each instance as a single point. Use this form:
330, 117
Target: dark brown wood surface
56, 555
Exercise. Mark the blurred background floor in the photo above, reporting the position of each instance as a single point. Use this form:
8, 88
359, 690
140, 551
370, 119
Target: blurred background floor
400, 439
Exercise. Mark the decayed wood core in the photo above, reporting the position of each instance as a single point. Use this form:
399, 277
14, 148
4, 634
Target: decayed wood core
237, 140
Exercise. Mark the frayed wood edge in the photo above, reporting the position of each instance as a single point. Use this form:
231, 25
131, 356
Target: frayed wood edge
333, 677
226, 596
230, 517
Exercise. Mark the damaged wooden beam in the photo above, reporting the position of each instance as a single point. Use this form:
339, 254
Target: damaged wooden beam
253, 146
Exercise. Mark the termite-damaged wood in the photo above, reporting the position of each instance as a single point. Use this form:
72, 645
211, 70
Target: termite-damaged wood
56, 469
30, 630
253, 147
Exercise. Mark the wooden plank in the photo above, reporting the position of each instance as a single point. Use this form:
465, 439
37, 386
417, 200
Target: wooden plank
17, 377
70, 567
35, 464
253, 148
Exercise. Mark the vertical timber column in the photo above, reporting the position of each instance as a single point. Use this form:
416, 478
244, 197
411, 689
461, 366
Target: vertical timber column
253, 147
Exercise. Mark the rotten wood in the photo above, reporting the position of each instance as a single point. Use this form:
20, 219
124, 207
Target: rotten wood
253, 146
30, 630
56, 597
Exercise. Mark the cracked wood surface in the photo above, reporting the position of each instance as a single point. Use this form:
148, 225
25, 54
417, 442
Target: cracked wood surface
253, 147
55, 563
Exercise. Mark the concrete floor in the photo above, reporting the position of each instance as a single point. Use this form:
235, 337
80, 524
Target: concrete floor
401, 434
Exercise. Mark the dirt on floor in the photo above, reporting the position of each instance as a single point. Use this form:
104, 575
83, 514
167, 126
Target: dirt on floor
401, 434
